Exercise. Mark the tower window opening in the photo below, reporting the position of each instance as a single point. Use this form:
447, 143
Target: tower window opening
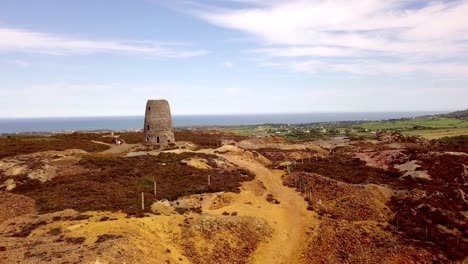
149, 108
157, 139
148, 128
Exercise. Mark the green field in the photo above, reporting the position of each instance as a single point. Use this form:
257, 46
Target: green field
246, 130
429, 127
438, 133
415, 124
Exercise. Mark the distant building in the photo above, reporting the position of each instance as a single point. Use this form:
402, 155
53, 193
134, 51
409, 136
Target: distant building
158, 123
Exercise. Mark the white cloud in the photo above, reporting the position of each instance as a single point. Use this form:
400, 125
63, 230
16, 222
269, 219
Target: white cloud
232, 90
19, 40
412, 35
20, 63
227, 64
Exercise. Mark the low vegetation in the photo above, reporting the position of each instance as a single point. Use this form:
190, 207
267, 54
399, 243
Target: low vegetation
426, 213
116, 183
206, 138
17, 145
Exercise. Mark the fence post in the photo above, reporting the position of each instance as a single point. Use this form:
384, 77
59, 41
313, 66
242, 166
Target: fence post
155, 189
142, 201
426, 232
209, 179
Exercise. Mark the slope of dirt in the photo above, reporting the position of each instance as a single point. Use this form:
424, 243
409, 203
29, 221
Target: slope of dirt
204, 241
362, 242
12, 205
104, 237
336, 199
289, 219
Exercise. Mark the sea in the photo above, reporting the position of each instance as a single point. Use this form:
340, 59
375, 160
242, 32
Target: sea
64, 124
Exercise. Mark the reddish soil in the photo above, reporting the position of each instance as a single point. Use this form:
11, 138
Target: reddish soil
13, 205
114, 183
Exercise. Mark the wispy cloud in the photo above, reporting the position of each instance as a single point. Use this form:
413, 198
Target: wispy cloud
20, 40
346, 35
19, 63
227, 64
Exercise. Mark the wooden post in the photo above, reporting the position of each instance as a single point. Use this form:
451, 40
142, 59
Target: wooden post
426, 232
143, 201
209, 179
155, 189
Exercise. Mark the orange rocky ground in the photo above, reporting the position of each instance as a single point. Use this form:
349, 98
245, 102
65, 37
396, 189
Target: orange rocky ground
267, 201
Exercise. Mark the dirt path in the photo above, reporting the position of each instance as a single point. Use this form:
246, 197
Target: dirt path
115, 149
290, 219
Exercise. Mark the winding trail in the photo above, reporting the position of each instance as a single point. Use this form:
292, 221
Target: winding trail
289, 220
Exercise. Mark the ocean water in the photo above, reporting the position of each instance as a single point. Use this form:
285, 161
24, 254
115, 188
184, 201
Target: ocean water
20, 125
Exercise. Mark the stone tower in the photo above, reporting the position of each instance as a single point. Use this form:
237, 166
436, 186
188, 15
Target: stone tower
158, 123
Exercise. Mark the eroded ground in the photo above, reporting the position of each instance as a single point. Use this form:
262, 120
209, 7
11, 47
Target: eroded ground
216, 197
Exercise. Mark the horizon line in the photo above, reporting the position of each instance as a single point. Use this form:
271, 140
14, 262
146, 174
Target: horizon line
232, 114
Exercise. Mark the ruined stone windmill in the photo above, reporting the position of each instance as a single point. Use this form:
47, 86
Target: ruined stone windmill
158, 123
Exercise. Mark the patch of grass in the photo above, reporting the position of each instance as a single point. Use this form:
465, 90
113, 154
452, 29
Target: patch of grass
438, 133
416, 123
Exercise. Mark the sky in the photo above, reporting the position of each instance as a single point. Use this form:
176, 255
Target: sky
61, 58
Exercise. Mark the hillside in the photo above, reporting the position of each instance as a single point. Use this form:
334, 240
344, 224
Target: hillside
216, 197
458, 114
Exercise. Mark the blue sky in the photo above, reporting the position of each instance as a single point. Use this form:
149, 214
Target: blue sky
101, 58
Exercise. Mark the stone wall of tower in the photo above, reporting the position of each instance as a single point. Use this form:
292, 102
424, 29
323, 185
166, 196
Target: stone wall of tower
158, 123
